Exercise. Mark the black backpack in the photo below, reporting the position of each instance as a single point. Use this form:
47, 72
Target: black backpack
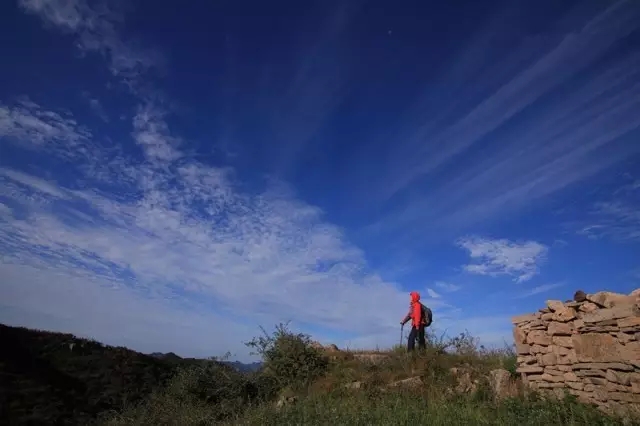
427, 315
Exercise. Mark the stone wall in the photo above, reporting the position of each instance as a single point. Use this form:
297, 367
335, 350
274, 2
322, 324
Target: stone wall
589, 347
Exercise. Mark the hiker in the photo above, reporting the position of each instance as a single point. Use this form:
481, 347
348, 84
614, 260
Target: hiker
420, 317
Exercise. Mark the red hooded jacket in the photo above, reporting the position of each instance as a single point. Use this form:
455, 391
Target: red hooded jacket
415, 311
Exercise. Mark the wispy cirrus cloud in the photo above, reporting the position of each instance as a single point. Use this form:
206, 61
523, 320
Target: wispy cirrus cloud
617, 218
95, 25
432, 293
503, 257
447, 287
540, 289
169, 234
547, 131
29, 124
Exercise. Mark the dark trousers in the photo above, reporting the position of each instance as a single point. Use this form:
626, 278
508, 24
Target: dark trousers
416, 333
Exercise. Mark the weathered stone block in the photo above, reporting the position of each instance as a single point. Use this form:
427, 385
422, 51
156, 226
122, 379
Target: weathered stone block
596, 347
564, 341
609, 299
522, 348
538, 337
616, 312
524, 318
559, 329
618, 377
570, 377
529, 369
564, 314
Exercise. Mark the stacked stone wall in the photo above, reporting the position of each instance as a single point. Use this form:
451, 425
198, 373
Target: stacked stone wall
589, 347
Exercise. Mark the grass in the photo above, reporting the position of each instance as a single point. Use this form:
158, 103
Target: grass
397, 408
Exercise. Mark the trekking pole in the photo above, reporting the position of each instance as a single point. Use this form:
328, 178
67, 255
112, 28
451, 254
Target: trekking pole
401, 333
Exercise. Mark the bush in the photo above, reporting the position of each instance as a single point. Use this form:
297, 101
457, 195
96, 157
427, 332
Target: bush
289, 359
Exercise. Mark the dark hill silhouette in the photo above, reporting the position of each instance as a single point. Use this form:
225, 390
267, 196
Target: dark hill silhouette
57, 378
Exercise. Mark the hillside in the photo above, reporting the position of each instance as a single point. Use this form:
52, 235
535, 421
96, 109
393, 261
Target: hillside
54, 378
58, 378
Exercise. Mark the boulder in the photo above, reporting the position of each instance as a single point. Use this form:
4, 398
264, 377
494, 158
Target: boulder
609, 299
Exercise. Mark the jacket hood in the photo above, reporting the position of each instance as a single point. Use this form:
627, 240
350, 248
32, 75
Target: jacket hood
415, 296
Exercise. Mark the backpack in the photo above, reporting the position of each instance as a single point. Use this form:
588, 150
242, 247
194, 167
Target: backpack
427, 315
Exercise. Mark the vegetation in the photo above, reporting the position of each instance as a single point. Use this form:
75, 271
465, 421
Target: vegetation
313, 386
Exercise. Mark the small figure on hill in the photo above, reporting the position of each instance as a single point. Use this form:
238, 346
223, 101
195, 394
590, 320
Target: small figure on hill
421, 317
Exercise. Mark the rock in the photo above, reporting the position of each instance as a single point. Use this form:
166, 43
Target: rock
618, 377
371, 358
580, 296
563, 341
603, 366
547, 359
595, 347
285, 400
570, 377
522, 348
559, 329
551, 378
353, 385
538, 337
529, 369
588, 307
630, 351
564, 314
609, 299
629, 322
524, 318
554, 305
500, 380
411, 382
635, 293
519, 336
616, 312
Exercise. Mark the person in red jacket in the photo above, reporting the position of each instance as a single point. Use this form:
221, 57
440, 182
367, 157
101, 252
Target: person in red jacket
420, 317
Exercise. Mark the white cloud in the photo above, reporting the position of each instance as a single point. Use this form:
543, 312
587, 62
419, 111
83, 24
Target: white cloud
540, 289
170, 252
504, 257
448, 287
183, 233
30, 124
617, 218
432, 293
95, 26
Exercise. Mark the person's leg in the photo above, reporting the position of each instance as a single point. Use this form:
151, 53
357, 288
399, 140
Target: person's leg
412, 339
422, 344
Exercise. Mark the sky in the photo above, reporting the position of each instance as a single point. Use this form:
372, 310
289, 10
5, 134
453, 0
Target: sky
174, 176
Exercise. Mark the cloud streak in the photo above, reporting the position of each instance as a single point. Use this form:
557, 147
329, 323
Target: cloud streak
559, 120
96, 27
540, 289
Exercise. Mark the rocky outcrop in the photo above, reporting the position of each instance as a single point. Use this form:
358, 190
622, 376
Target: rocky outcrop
588, 347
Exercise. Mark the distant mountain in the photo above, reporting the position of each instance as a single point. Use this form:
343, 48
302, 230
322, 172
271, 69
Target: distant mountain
56, 378
244, 368
237, 365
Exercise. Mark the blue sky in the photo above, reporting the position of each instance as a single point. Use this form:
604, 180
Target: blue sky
173, 175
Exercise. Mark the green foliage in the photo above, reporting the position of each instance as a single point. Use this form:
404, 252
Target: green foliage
289, 359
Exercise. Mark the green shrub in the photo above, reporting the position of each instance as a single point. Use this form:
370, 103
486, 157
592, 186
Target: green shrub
289, 358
